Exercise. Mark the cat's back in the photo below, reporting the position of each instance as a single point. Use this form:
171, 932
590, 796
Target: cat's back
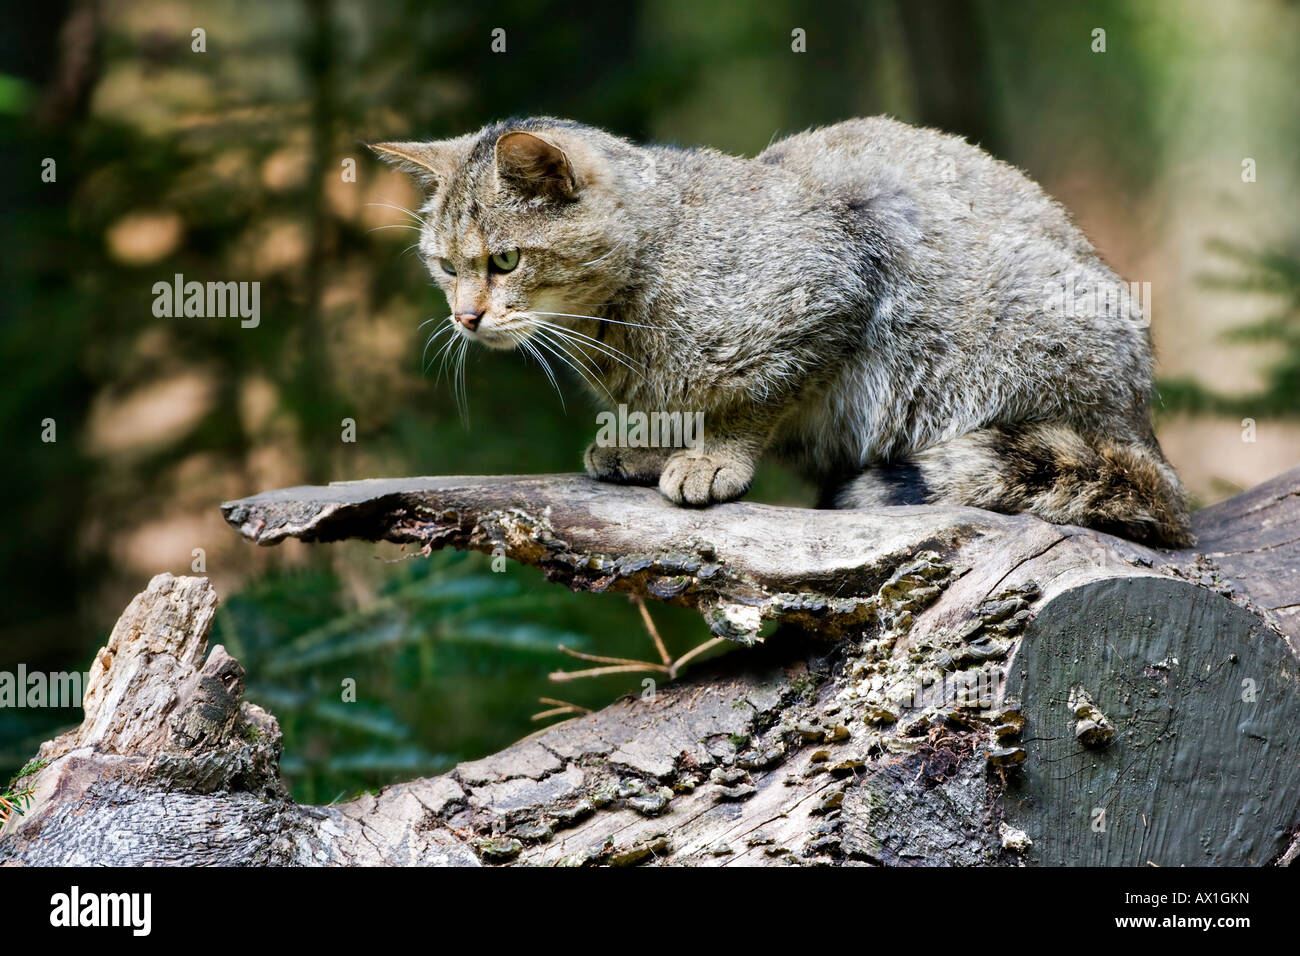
938, 182
875, 142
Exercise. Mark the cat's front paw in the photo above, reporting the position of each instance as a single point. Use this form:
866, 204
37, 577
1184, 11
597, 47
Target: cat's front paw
625, 466
699, 479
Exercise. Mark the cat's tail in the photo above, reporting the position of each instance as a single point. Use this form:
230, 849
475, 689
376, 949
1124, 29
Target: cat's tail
1050, 470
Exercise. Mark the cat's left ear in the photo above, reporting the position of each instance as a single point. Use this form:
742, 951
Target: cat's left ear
430, 163
535, 165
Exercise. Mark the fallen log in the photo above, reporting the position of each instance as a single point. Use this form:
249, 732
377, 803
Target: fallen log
936, 686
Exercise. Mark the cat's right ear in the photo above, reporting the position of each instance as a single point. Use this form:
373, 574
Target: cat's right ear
535, 165
429, 163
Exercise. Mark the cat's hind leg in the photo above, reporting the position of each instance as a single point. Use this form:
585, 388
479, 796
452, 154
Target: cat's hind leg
1050, 470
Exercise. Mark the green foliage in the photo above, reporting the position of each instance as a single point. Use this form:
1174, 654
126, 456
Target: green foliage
31, 767
22, 731
15, 95
15, 799
447, 661
1273, 274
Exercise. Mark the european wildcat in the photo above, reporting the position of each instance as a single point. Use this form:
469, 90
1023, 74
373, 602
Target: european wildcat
884, 306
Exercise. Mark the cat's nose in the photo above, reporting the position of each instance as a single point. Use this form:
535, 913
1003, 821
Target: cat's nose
469, 319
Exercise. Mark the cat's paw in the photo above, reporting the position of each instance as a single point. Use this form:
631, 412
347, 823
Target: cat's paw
625, 466
697, 479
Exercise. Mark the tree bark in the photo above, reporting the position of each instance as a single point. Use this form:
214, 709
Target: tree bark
936, 686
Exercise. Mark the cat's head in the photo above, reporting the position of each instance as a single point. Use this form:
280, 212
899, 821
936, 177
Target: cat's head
524, 227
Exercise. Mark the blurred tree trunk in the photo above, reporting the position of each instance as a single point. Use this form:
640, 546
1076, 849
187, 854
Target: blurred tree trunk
76, 66
318, 409
944, 44
56, 47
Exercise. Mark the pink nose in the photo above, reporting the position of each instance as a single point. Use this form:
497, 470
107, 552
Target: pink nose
469, 319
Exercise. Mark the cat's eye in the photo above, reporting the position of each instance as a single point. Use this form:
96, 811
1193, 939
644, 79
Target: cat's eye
505, 261
447, 267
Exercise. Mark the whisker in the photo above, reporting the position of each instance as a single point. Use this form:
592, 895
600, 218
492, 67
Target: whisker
453, 368
579, 339
582, 373
433, 318
464, 390
587, 362
443, 353
546, 368
446, 352
400, 208
583, 335
541, 360
394, 225
424, 354
433, 338
597, 318
612, 250
456, 360
551, 345
564, 356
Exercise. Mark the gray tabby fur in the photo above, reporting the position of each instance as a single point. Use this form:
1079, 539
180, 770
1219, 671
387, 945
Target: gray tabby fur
870, 301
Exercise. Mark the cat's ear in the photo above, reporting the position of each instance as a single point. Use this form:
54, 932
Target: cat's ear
430, 163
535, 165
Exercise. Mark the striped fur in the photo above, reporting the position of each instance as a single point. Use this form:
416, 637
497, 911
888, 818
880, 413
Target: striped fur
869, 301
1053, 471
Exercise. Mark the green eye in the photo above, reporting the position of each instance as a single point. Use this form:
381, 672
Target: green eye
505, 261
447, 267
